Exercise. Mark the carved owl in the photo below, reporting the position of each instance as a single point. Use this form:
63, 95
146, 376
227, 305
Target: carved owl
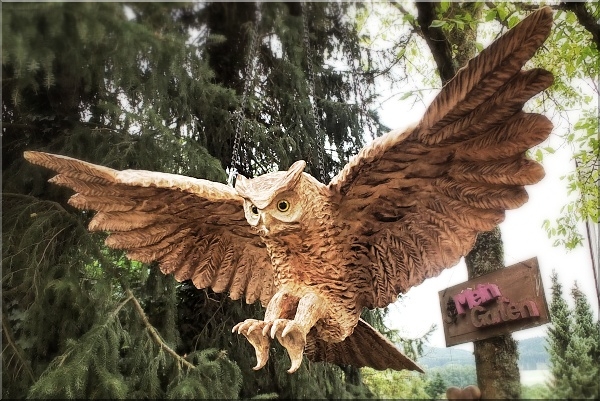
407, 206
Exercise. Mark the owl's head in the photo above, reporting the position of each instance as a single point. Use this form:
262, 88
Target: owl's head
274, 203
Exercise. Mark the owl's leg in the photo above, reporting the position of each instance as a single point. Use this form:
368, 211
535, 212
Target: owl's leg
280, 305
292, 333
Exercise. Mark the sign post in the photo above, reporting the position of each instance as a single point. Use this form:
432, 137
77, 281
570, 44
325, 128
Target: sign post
496, 303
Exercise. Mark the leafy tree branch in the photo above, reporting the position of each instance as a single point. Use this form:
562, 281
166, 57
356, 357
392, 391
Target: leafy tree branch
437, 41
585, 18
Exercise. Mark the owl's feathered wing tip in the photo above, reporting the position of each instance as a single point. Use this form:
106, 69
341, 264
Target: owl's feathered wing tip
423, 195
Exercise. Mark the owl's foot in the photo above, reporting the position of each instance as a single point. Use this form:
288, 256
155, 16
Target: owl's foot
252, 330
292, 336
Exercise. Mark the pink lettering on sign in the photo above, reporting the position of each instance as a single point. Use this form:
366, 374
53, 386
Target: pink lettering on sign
506, 311
471, 298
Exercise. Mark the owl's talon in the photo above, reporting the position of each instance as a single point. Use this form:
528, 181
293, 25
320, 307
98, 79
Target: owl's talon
292, 336
275, 326
296, 361
288, 328
259, 341
254, 326
261, 359
267, 328
236, 327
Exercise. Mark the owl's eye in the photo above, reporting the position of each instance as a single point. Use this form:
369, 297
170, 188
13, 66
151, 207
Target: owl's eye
283, 205
254, 209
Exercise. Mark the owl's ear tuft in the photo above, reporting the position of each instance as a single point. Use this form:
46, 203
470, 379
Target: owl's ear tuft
241, 184
294, 172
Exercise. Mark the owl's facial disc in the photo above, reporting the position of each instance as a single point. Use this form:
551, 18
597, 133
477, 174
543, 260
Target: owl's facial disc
279, 217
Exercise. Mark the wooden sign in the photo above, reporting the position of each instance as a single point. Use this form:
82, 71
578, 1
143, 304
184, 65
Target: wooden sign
496, 303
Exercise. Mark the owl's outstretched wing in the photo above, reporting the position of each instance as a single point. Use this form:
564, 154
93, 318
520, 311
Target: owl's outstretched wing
419, 197
193, 228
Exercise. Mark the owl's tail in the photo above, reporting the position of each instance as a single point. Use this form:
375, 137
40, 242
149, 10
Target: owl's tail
364, 347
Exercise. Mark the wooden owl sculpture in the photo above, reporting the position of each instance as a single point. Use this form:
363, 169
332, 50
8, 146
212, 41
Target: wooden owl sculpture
409, 205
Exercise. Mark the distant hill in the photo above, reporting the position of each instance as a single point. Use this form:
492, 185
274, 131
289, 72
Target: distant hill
434, 357
532, 355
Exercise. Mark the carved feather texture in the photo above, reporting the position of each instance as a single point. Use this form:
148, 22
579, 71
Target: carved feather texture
464, 162
364, 347
193, 228
487, 73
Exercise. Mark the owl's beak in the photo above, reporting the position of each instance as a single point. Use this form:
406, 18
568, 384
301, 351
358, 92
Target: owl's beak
264, 222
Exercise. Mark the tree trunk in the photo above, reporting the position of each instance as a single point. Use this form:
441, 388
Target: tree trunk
495, 358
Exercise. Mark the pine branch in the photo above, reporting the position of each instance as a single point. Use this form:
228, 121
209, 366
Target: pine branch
17, 126
33, 199
114, 313
16, 349
154, 334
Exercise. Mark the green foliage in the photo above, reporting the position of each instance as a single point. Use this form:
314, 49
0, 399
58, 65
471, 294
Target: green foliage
95, 347
574, 342
389, 384
455, 375
436, 387
117, 106
45, 238
454, 17
559, 335
583, 349
572, 56
278, 120
582, 182
94, 358
535, 392
533, 353
215, 378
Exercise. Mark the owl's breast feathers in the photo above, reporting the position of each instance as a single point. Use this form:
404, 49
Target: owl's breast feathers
318, 260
